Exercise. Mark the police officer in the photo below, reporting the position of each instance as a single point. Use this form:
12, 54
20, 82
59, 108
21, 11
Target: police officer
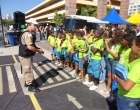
27, 50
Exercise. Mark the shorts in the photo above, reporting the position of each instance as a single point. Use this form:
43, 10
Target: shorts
111, 65
76, 63
58, 55
83, 62
69, 57
94, 68
52, 50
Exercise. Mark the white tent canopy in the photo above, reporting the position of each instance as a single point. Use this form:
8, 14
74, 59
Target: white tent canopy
87, 18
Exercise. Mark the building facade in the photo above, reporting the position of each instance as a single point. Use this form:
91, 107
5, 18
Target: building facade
46, 10
133, 6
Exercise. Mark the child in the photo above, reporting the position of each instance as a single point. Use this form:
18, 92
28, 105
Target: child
82, 54
64, 46
89, 42
128, 97
114, 49
58, 48
95, 62
104, 59
51, 42
70, 51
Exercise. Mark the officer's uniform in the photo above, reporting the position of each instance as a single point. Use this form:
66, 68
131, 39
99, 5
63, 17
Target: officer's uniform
26, 56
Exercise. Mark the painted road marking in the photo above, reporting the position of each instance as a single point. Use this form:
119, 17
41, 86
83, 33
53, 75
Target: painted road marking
74, 101
1, 84
52, 72
35, 102
38, 80
14, 58
11, 83
58, 84
32, 96
43, 73
61, 72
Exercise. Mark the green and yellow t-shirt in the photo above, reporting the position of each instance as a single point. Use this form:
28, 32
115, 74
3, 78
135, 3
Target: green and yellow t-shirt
51, 40
98, 43
70, 48
64, 44
58, 42
133, 75
89, 40
124, 57
67, 37
80, 45
116, 48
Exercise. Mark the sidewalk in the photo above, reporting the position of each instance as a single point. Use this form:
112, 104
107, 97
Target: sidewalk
13, 50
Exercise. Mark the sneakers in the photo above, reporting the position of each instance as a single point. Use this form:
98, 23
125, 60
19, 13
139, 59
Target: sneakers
79, 77
93, 88
81, 80
60, 65
56, 63
74, 75
104, 91
68, 69
88, 83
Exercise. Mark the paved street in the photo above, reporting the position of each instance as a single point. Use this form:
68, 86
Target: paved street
59, 90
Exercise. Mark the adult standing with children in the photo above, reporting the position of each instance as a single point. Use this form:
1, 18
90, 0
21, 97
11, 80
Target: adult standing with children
27, 50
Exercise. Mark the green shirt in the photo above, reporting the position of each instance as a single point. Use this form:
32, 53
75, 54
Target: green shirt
70, 49
64, 44
51, 40
116, 48
58, 42
133, 75
124, 57
80, 45
98, 43
67, 37
89, 40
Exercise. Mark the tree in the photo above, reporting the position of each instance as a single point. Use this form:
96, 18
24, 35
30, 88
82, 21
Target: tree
7, 22
87, 11
109, 9
90, 11
58, 19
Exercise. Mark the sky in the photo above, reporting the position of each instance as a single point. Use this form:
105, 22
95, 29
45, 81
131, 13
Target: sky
10, 6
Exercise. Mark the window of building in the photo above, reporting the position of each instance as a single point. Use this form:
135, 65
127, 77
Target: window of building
138, 5
134, 10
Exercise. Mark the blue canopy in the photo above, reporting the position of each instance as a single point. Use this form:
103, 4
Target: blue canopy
114, 18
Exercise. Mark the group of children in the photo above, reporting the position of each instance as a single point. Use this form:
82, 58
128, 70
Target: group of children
97, 55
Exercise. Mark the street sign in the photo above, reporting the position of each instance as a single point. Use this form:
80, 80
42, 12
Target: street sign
1, 31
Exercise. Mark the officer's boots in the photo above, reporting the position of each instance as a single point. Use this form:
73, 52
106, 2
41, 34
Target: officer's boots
32, 87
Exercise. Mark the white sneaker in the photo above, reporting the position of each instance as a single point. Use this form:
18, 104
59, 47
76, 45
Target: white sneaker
93, 87
56, 63
59, 64
88, 83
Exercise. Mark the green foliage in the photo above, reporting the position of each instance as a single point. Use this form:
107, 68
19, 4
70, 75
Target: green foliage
7, 22
58, 19
87, 11
109, 9
90, 11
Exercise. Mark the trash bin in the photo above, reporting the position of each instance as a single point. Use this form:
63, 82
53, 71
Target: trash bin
11, 38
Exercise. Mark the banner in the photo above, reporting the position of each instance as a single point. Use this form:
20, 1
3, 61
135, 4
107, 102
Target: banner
1, 31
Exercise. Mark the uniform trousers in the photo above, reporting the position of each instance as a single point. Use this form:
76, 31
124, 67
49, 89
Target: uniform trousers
26, 63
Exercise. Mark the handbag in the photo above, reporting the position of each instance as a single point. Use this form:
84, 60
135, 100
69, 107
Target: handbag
121, 71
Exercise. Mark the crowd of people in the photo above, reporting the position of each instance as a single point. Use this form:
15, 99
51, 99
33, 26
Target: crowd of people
97, 55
